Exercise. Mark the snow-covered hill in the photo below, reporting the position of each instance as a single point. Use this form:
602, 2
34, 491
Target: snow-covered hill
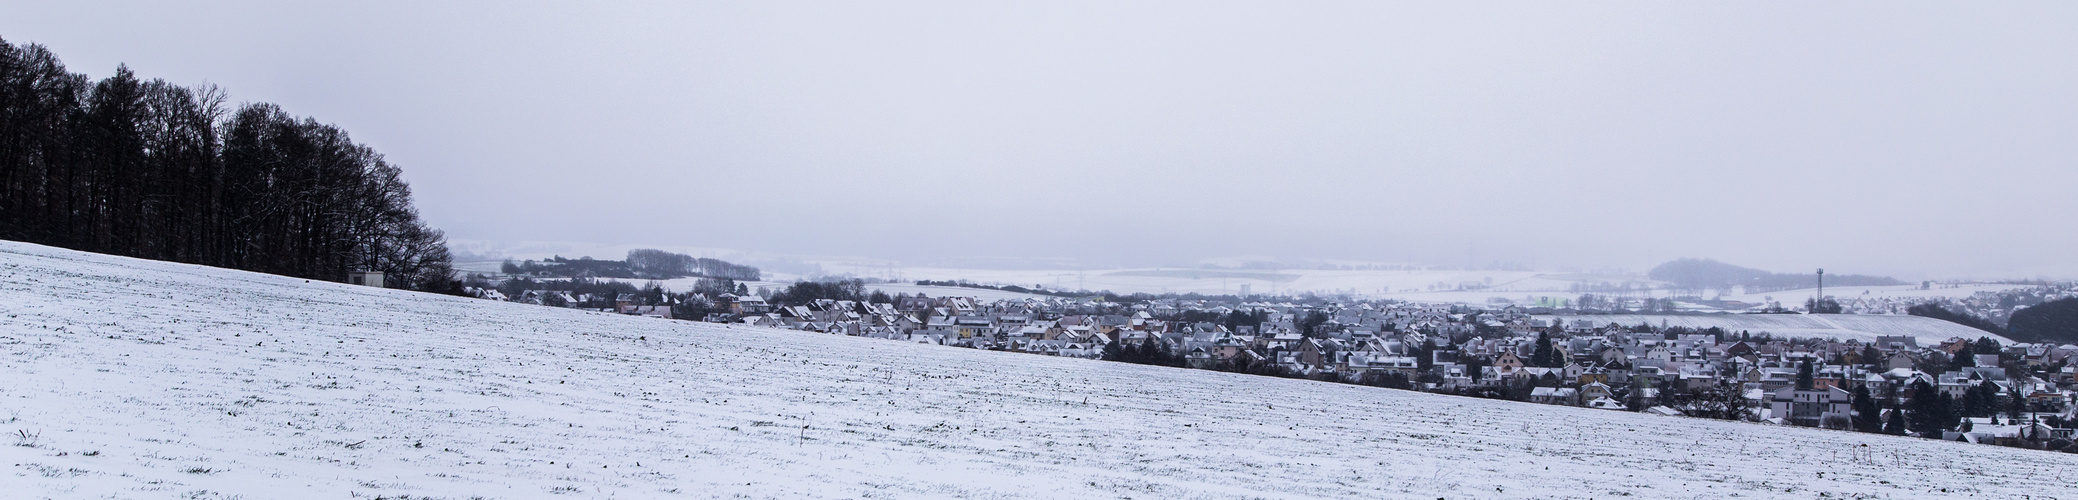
124, 378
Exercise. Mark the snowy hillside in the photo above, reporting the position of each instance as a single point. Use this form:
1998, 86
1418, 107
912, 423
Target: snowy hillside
1864, 328
136, 379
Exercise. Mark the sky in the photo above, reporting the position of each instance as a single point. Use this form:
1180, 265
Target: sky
1919, 140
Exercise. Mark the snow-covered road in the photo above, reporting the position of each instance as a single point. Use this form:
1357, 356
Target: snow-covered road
125, 378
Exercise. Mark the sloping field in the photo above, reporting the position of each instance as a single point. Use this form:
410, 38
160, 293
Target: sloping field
1929, 331
122, 378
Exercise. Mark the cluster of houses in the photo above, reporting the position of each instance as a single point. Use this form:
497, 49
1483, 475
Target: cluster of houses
1457, 348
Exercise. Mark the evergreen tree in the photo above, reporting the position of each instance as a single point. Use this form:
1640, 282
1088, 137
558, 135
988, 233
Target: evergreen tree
1309, 325
1973, 402
1868, 417
1988, 399
1928, 411
1542, 356
1946, 416
1147, 353
1964, 358
1804, 376
1872, 358
1114, 351
1895, 424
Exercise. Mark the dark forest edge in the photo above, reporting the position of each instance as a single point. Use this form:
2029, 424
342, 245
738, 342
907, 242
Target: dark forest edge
149, 169
640, 264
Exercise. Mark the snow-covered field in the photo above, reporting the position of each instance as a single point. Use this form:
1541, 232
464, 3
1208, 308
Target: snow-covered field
1415, 285
1362, 283
951, 291
1850, 293
1865, 328
122, 378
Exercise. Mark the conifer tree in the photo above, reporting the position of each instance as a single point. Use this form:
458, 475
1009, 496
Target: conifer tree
1964, 358
1895, 425
1868, 417
1945, 415
1639, 387
1542, 356
1146, 353
1929, 411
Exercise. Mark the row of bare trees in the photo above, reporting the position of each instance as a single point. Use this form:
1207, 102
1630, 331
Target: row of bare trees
149, 169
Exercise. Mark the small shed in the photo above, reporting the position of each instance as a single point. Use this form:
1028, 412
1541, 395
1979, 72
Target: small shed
364, 278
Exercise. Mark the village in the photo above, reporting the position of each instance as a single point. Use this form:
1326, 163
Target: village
1978, 390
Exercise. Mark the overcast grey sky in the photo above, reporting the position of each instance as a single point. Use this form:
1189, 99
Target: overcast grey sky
1914, 139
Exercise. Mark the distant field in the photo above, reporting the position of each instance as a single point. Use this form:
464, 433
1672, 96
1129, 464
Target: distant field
1361, 283
1439, 286
1199, 274
480, 266
950, 291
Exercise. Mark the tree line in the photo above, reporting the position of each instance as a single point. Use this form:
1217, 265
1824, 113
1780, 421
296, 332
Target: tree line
146, 168
678, 265
641, 264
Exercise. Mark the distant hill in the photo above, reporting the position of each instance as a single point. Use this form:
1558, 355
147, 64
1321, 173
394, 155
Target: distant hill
1711, 274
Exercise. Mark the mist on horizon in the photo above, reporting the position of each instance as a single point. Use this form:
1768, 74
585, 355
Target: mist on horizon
1922, 141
